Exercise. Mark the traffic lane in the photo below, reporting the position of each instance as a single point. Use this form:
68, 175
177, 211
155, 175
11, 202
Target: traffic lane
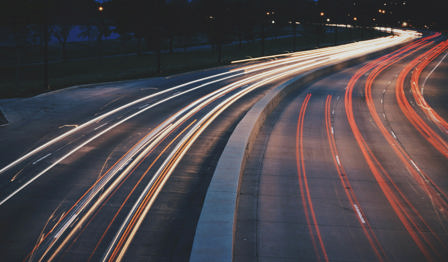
168, 231
49, 153
281, 228
69, 180
72, 163
423, 154
164, 96
38, 119
419, 206
259, 65
434, 82
393, 237
273, 64
154, 250
348, 233
26, 215
161, 216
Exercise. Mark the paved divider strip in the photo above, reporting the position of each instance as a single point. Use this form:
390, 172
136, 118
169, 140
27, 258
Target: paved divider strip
215, 230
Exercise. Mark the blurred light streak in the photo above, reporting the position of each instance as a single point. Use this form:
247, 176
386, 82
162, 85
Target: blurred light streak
348, 189
418, 93
304, 189
152, 139
379, 173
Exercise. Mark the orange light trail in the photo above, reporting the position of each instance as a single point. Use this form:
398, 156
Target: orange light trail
418, 96
153, 139
381, 176
348, 189
422, 127
135, 186
304, 189
428, 185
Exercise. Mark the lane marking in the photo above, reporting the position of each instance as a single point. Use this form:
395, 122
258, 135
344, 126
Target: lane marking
359, 214
429, 74
393, 134
337, 159
418, 169
143, 106
42, 158
98, 127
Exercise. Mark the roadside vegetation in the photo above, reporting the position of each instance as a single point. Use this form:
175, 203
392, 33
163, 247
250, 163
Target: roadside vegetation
126, 39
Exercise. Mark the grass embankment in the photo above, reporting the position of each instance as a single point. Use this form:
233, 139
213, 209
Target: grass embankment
93, 69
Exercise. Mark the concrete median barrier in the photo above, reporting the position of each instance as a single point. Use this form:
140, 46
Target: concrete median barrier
216, 226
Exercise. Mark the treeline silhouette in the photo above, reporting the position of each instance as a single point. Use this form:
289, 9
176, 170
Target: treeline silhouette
157, 24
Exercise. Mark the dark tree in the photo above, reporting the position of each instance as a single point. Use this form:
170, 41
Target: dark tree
146, 19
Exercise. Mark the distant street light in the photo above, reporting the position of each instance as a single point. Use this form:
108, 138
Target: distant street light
404, 24
355, 18
322, 13
100, 8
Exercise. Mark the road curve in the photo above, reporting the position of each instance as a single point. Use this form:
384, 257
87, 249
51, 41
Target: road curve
87, 192
352, 168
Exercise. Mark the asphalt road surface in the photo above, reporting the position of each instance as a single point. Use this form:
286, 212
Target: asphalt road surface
119, 171
354, 168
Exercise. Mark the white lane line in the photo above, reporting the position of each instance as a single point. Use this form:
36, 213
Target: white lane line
42, 158
98, 127
143, 106
332, 130
416, 167
384, 115
337, 159
393, 134
382, 101
429, 74
78, 127
369, 48
359, 214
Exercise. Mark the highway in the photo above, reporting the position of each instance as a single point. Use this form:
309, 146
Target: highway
353, 168
125, 180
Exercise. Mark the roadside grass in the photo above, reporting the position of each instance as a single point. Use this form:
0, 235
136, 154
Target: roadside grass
112, 68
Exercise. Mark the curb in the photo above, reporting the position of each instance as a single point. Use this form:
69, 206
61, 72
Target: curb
213, 240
